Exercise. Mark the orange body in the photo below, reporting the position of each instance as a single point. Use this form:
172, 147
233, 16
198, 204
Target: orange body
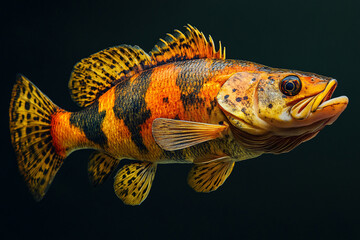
184, 90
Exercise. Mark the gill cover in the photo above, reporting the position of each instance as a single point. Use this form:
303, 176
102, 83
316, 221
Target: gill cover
238, 100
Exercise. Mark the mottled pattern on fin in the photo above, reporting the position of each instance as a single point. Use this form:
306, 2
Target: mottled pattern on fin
30, 125
100, 166
191, 45
208, 177
96, 74
133, 182
173, 134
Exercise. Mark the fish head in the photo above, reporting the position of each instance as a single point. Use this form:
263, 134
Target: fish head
290, 106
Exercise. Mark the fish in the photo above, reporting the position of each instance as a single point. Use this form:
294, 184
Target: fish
183, 102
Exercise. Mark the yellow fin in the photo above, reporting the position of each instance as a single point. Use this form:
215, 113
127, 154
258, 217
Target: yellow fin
30, 129
133, 182
96, 74
173, 134
207, 177
191, 45
100, 167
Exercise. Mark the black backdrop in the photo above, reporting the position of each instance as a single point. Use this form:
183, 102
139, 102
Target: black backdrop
309, 193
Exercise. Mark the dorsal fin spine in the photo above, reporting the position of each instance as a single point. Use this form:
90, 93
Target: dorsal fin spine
221, 53
174, 51
172, 36
212, 43
184, 46
180, 33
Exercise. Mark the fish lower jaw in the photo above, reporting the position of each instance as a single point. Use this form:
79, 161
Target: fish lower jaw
342, 100
332, 108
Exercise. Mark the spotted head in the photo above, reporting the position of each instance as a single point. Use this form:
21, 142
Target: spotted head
276, 110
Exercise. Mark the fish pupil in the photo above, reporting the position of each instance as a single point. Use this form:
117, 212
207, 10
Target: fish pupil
289, 86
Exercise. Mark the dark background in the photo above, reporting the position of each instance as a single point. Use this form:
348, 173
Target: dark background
309, 193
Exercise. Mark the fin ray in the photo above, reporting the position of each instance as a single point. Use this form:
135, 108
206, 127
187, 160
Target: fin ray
208, 177
96, 74
100, 166
133, 182
173, 134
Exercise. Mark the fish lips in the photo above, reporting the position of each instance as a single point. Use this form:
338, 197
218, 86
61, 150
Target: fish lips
320, 107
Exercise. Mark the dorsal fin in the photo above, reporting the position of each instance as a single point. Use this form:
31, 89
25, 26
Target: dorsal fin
96, 74
191, 45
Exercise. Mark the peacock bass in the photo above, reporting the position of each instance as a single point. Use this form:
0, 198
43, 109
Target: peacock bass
181, 103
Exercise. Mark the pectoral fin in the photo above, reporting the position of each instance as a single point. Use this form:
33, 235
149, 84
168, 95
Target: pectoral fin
133, 182
173, 134
207, 177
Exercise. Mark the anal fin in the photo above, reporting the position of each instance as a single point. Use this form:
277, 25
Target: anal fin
100, 166
208, 177
133, 182
173, 134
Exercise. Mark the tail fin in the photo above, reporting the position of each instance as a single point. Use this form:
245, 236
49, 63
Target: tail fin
30, 129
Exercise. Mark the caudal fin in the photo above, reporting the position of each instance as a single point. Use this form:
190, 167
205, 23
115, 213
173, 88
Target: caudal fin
30, 129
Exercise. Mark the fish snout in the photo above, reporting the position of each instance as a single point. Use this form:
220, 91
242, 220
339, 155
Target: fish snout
321, 106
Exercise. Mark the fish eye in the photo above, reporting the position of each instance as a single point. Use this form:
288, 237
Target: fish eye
290, 85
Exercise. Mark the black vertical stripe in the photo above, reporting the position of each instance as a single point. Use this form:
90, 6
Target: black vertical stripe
89, 121
194, 74
190, 80
130, 106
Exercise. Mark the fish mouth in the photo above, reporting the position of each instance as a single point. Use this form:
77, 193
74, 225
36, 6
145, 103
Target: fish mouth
321, 105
